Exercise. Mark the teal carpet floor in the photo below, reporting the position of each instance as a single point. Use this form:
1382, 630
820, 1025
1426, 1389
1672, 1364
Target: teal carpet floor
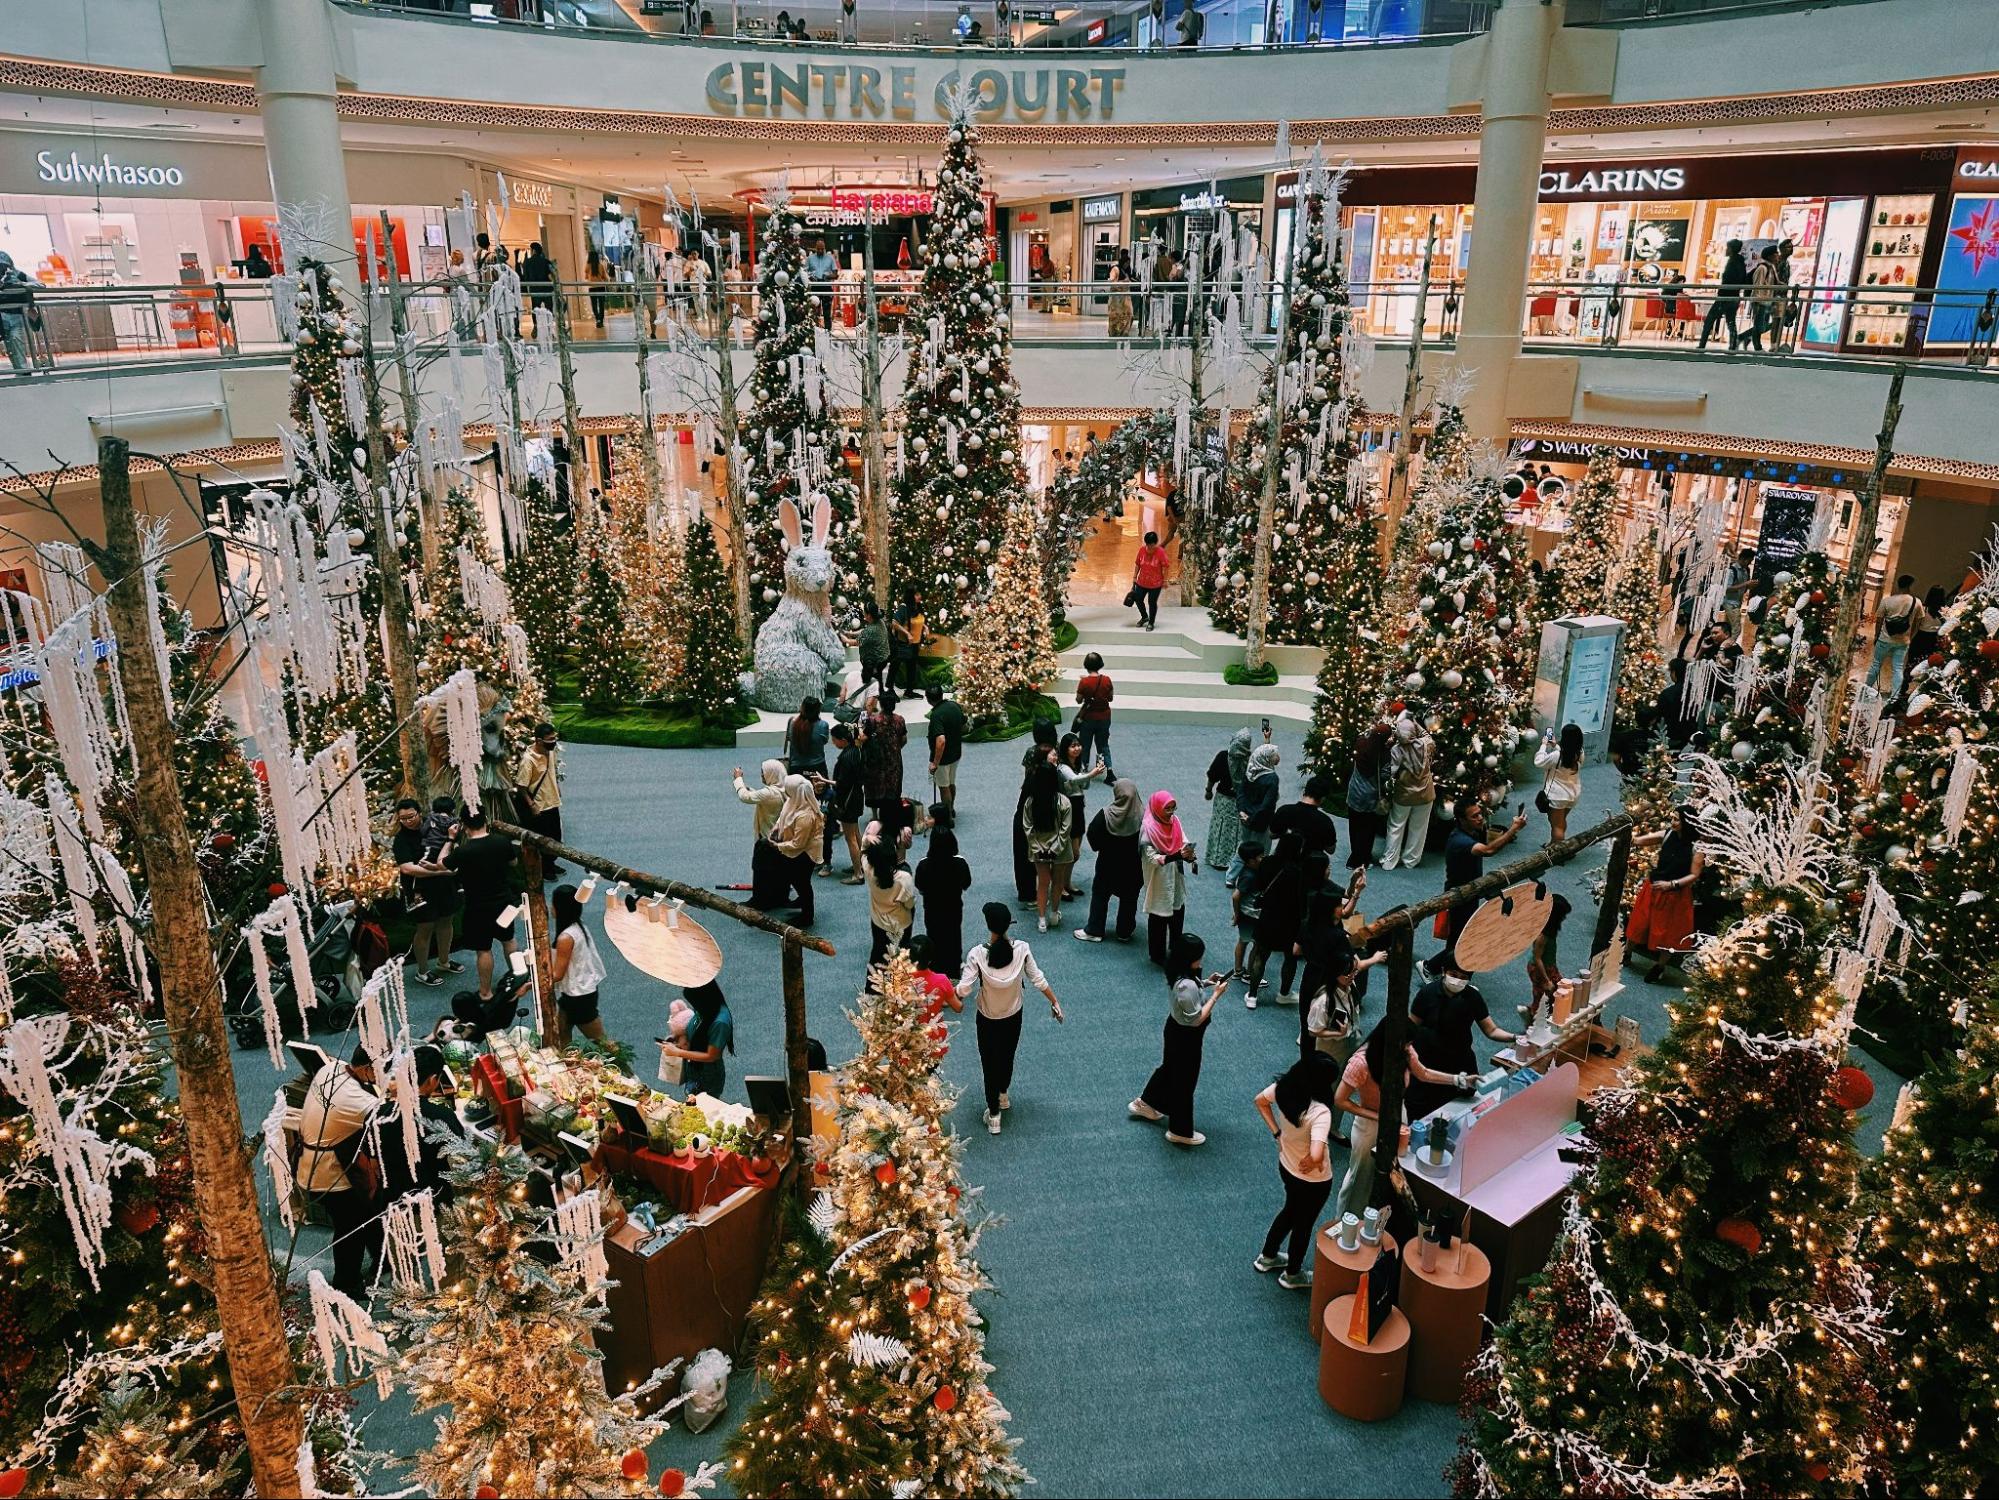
1135, 1347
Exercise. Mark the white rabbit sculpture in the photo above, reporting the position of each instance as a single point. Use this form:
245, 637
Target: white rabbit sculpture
798, 651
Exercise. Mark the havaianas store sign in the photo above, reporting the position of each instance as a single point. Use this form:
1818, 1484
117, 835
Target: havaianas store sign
856, 91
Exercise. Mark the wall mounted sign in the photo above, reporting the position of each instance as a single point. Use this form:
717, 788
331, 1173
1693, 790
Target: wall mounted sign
1102, 210
526, 194
105, 171
856, 91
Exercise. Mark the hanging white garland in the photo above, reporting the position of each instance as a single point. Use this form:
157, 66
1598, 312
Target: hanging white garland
277, 1158
458, 700
341, 1326
579, 1231
79, 876
415, 1251
281, 920
1957, 795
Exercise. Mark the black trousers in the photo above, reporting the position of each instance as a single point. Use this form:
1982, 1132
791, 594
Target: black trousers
944, 926
1170, 1089
548, 825
1148, 606
791, 877
1297, 1218
357, 1239
998, 1041
1023, 867
1721, 311
1363, 829
880, 945
1161, 933
1101, 896
1259, 955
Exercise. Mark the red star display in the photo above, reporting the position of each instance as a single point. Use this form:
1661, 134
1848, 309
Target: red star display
1981, 236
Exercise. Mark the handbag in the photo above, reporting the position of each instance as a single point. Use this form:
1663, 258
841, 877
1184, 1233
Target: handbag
1131, 597
1541, 800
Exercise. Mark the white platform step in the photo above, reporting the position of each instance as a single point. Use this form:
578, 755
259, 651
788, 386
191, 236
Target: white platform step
1195, 685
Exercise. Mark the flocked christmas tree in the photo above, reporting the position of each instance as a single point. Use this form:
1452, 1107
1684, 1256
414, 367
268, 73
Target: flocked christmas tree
870, 1351
1775, 703
647, 554
710, 680
1454, 663
1008, 650
541, 580
504, 1348
1324, 564
790, 432
1934, 1250
607, 670
960, 426
1634, 599
1582, 562
1704, 1326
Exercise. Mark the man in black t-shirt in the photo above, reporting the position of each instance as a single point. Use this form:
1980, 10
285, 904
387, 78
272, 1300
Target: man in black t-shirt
484, 863
845, 800
1464, 860
1306, 822
946, 733
429, 894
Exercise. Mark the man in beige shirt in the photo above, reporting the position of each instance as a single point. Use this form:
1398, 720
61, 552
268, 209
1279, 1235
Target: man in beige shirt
334, 1168
538, 785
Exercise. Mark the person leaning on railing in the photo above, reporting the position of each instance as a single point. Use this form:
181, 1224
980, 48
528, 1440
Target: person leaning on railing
17, 311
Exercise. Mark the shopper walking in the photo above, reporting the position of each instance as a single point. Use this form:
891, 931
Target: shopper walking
1465, 854
1094, 692
538, 278
945, 730
1075, 784
1041, 752
822, 270
1226, 774
598, 274
1298, 1111
1148, 577
891, 901
1367, 800
1306, 821
872, 643
998, 972
335, 1171
1169, 1093
1893, 624
711, 1033
1727, 298
1562, 759
907, 635
1120, 298
1168, 859
884, 733
1114, 834
1045, 821
942, 877
537, 782
484, 863
846, 797
1412, 792
577, 968
1766, 292
430, 894
1257, 796
1662, 911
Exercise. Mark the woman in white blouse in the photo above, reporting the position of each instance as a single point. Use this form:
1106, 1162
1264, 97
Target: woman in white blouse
891, 901
1562, 759
999, 971
1297, 1110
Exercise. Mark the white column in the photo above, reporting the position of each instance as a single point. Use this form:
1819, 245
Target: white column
297, 88
1511, 139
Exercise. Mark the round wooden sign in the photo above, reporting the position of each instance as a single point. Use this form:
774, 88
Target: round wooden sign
1503, 928
680, 952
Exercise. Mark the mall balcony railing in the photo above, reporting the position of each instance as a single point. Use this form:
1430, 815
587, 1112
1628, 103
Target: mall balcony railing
78, 329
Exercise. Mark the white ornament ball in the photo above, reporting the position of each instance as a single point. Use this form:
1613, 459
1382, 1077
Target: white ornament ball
1413, 682
920, 444
1290, 528
1784, 580
1236, 580
975, 441
983, 545
1311, 580
770, 596
356, 537
1742, 750
1897, 853
1453, 679
1491, 762
1435, 549
943, 512
951, 262
782, 278
959, 471
962, 580
1006, 455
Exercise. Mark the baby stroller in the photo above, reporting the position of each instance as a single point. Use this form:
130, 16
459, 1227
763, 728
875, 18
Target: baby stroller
471, 1018
345, 951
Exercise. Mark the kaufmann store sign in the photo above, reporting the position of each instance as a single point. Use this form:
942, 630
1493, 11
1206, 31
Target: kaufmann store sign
860, 91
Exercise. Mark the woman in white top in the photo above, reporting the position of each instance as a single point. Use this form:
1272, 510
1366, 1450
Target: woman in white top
765, 801
1298, 1112
1169, 1092
1167, 859
1563, 761
1000, 970
891, 900
578, 970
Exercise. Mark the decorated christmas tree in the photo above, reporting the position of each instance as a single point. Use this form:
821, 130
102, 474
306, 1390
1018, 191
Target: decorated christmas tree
1008, 650
903, 1040
1634, 599
607, 671
1324, 568
1454, 662
541, 580
1776, 700
1703, 1326
1094, 489
791, 432
646, 553
1580, 568
504, 1348
962, 474
710, 680
1934, 1251
1446, 461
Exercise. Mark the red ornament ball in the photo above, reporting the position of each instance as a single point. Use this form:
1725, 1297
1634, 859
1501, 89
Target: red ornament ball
1821, 650
1396, 706
12, 1482
919, 1297
885, 1173
634, 1465
486, 1492
945, 1399
1818, 1471
276, 889
1818, 596
1740, 1233
137, 1218
1987, 648
1910, 802
822, 1169
223, 841
1936, 657
673, 1482
1852, 1089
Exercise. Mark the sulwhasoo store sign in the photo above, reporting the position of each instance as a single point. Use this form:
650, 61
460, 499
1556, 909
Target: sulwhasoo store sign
857, 91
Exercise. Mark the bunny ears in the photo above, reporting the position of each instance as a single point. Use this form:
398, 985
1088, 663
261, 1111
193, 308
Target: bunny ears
788, 523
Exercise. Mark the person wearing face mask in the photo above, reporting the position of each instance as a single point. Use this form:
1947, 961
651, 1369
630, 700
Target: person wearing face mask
1446, 1009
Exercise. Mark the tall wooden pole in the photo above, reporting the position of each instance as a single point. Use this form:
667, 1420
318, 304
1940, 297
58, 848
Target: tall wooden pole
874, 448
732, 500
225, 1191
399, 325
572, 420
797, 1066
649, 449
1412, 381
1266, 504
398, 625
1847, 625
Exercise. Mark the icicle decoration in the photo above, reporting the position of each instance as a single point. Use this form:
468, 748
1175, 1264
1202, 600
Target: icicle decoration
403, 1084
66, 660
84, 1162
153, 549
280, 919
458, 699
117, 885
1877, 753
277, 1158
382, 1019
340, 1325
338, 826
483, 588
579, 1231
1957, 795
353, 392
79, 877
409, 1234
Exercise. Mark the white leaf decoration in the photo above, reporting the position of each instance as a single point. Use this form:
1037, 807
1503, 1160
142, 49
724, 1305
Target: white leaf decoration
875, 1351
823, 1215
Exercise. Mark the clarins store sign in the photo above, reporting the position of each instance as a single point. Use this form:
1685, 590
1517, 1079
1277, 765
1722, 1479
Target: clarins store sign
858, 91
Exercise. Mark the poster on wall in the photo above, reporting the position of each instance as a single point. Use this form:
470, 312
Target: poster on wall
1659, 243
1785, 531
1610, 230
1826, 318
1969, 270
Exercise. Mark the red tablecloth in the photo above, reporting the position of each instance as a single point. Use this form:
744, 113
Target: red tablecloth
691, 1183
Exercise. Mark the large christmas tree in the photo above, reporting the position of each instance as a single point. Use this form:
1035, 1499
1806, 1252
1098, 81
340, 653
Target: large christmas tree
1934, 1250
1775, 705
962, 474
541, 579
1703, 1327
1455, 658
1008, 650
1582, 561
1324, 567
1634, 599
791, 432
710, 678
607, 669
870, 1351
646, 552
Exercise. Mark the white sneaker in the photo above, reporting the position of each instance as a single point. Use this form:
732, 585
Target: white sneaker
1006, 1101
1196, 1139
1042, 923
1249, 1000
1302, 1282
992, 1124
1138, 1109
1287, 999
1084, 935
1265, 1264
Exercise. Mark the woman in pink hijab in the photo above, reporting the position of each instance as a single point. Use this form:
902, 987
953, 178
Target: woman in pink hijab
1168, 860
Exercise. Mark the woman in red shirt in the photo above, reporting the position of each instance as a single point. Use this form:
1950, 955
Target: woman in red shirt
1148, 577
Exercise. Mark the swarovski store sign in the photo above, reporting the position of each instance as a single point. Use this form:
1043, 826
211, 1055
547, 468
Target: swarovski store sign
857, 91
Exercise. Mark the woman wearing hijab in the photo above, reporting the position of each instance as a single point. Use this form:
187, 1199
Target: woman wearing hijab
1114, 834
711, 1031
1169, 1092
1226, 774
1167, 860
765, 802
1256, 798
942, 878
999, 971
793, 845
1036, 754
1045, 821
